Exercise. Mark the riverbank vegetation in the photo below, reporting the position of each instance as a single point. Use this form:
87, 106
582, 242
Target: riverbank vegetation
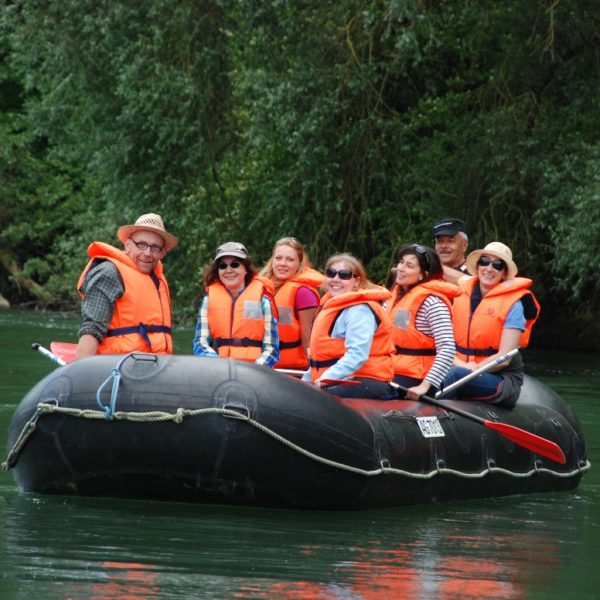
351, 125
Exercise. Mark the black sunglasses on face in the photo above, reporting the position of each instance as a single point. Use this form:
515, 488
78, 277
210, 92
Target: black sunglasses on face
497, 263
234, 264
344, 274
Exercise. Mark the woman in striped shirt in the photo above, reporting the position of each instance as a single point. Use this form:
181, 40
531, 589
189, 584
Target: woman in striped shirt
420, 312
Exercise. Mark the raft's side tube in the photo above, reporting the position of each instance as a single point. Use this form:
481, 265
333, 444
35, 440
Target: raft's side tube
248, 435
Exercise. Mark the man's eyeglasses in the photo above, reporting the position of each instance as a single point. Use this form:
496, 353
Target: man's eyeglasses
143, 246
344, 274
422, 251
234, 264
497, 263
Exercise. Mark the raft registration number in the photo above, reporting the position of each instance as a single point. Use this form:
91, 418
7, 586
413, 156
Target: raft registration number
430, 427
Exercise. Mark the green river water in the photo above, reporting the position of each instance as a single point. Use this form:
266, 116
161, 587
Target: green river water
533, 546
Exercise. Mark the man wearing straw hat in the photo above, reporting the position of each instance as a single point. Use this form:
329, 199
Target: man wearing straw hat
126, 304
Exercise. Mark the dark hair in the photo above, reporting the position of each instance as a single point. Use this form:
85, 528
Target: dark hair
211, 271
428, 260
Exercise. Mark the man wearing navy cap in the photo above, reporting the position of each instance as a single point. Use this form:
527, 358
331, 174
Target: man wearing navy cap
451, 243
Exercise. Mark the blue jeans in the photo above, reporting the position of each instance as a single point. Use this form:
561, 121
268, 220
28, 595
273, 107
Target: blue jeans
368, 388
484, 387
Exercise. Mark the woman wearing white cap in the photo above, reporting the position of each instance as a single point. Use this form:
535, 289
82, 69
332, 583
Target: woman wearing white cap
494, 314
238, 316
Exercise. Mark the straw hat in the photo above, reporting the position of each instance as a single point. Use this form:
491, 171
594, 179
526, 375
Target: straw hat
231, 249
497, 250
148, 222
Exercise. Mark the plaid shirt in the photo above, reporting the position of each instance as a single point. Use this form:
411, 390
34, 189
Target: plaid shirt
270, 341
102, 287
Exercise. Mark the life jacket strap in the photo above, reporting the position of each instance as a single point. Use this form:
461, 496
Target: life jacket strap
288, 345
143, 329
415, 351
239, 342
321, 364
476, 351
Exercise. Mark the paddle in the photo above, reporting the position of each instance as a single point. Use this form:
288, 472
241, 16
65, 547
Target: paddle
479, 371
519, 436
294, 372
64, 350
329, 382
49, 355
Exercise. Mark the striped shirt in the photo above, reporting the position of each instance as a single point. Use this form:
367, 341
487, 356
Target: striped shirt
433, 319
202, 345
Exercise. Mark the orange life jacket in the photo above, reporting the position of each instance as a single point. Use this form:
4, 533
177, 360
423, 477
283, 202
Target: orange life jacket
415, 351
325, 351
478, 335
237, 327
291, 352
141, 319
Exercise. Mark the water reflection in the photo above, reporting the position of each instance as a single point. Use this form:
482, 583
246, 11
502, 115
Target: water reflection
430, 564
101, 548
534, 546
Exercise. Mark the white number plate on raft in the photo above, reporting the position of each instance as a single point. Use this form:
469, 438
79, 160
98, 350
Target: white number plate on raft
430, 427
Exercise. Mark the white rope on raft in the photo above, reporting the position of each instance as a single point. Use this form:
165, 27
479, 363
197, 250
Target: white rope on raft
181, 413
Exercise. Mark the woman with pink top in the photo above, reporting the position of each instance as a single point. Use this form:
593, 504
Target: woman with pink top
297, 298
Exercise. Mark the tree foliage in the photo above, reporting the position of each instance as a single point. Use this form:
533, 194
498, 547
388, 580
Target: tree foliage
352, 125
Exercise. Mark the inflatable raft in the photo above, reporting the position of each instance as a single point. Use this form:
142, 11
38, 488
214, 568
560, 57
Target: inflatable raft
215, 430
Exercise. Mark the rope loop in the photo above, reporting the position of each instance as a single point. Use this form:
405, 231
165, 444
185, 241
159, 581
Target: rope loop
115, 378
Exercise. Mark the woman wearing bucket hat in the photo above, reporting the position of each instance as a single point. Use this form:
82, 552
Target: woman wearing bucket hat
494, 314
237, 316
297, 297
126, 304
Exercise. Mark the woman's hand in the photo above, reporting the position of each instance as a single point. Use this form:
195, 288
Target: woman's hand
414, 393
471, 365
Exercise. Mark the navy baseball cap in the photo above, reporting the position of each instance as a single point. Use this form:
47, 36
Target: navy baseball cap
449, 226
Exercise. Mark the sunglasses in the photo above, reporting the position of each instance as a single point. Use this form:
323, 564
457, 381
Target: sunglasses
497, 263
422, 251
234, 264
344, 274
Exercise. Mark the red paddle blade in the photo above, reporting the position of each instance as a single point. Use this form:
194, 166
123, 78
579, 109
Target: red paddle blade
64, 350
340, 382
529, 440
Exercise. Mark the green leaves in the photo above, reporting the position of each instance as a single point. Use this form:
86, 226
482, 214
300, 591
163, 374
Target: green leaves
351, 125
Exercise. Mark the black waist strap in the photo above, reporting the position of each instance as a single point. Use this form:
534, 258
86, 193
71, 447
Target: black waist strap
415, 351
288, 345
239, 342
476, 351
142, 329
320, 364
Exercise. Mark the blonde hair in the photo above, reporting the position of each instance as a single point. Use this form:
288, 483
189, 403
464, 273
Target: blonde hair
355, 266
296, 246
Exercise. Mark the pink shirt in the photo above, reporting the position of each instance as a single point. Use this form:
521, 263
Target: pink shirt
305, 298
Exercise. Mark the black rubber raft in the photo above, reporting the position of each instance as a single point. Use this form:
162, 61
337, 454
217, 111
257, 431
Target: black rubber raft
215, 430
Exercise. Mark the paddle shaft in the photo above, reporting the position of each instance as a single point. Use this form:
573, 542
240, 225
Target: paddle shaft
295, 372
49, 355
476, 372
